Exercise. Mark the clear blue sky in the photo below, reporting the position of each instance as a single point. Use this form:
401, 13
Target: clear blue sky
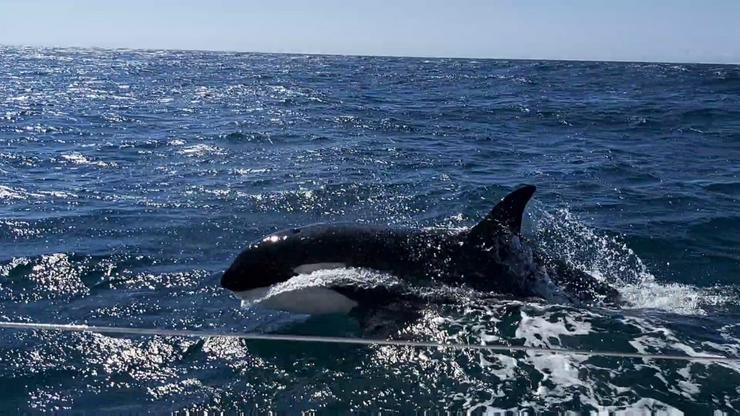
645, 30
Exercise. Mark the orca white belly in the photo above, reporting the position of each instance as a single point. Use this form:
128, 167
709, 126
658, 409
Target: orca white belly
307, 300
311, 300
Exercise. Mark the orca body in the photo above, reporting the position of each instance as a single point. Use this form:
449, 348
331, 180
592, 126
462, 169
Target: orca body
490, 257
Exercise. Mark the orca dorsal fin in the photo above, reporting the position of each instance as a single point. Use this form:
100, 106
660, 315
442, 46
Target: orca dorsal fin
506, 215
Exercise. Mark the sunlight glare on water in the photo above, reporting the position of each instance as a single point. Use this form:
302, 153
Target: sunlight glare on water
130, 180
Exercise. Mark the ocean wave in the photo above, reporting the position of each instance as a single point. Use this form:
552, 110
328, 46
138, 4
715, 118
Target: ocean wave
200, 150
46, 277
132, 178
8, 193
77, 158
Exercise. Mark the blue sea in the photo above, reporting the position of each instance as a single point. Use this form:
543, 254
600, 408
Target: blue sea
130, 180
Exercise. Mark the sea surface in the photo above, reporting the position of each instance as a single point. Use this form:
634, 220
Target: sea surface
129, 180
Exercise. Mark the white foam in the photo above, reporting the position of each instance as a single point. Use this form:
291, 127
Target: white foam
7, 192
644, 406
671, 297
80, 159
609, 259
201, 149
560, 372
538, 331
250, 171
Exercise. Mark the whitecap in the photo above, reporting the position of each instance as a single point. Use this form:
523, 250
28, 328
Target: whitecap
201, 149
80, 159
7, 192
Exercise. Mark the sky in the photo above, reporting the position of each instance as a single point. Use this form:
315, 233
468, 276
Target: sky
623, 30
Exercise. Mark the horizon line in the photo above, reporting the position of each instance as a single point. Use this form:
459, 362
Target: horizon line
362, 55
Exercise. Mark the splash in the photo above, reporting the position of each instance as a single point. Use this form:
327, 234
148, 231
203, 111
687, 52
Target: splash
606, 257
563, 236
609, 259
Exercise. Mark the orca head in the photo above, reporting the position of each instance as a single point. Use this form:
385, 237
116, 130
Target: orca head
264, 263
276, 259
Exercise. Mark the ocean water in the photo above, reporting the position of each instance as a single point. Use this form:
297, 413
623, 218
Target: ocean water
129, 180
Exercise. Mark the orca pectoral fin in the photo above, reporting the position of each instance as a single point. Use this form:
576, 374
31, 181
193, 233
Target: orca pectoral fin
383, 311
506, 216
387, 320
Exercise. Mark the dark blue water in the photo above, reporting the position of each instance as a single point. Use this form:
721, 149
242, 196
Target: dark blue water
130, 179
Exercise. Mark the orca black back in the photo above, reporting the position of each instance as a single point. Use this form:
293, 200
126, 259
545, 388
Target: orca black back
491, 256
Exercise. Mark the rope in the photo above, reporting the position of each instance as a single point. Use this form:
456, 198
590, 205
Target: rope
354, 341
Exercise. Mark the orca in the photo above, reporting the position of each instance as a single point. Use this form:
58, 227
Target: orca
492, 256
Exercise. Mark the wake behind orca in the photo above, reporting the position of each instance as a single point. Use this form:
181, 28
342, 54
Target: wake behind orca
490, 257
